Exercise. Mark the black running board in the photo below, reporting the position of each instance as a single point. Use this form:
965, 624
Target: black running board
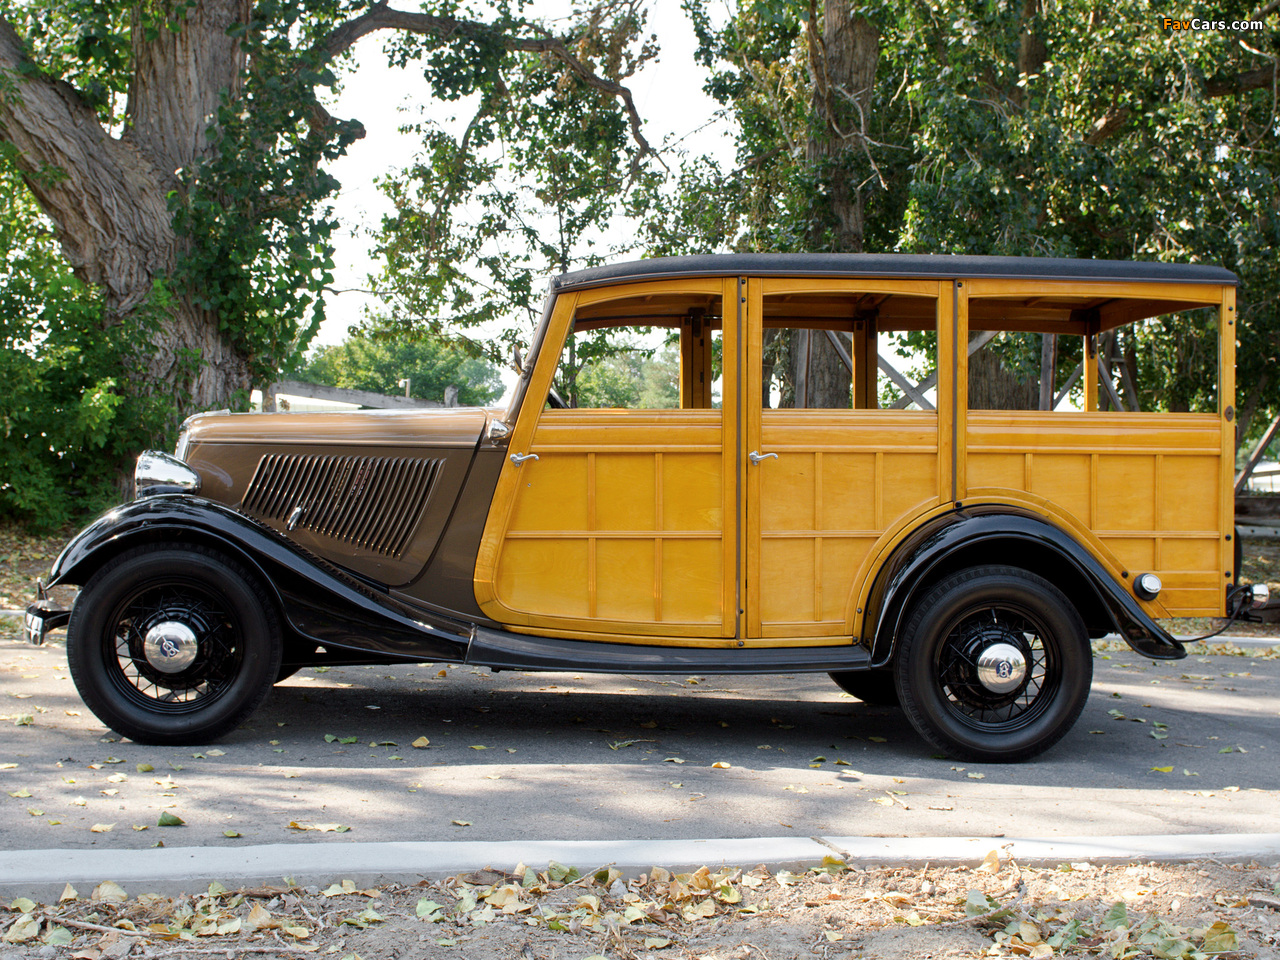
500, 650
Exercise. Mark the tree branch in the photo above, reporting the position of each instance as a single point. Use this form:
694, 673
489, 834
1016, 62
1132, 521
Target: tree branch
1239, 83
1114, 121
381, 17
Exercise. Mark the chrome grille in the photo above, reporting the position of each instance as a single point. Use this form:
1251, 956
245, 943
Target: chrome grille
369, 502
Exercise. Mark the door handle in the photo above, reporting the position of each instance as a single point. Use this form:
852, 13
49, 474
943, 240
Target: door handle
519, 458
755, 457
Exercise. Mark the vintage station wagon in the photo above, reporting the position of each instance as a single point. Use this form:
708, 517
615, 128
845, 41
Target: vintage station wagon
925, 538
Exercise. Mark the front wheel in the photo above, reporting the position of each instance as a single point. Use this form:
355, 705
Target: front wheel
994, 665
173, 645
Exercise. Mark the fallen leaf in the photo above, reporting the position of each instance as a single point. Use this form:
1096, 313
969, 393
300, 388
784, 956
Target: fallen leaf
145, 768
974, 775
1162, 769
673, 760
110, 891
68, 893
216, 753
168, 819
721, 765
21, 794
23, 905
421, 742
319, 827
231, 834
461, 823
990, 863
479, 746
102, 828
23, 929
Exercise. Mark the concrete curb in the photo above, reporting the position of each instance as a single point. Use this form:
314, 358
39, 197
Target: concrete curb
41, 874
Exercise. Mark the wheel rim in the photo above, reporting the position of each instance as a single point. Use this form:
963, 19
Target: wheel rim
998, 668
173, 647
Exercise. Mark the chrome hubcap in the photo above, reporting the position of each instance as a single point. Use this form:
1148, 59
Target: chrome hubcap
170, 646
1002, 668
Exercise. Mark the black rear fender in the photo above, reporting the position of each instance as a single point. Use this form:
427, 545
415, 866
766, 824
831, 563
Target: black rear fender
981, 534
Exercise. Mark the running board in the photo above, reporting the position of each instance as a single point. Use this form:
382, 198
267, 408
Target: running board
500, 650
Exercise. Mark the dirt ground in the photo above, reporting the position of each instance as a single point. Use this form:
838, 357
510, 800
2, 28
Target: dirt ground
997, 909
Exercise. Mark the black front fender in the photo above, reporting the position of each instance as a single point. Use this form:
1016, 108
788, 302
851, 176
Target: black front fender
319, 602
998, 533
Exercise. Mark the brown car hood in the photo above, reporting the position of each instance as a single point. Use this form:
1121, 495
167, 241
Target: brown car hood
428, 427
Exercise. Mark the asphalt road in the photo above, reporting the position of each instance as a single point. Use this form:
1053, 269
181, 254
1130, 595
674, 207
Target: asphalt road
564, 757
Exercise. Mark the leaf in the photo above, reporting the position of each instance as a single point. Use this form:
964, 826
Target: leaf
1116, 917
1219, 938
57, 936
23, 905
478, 746
23, 929
102, 828
990, 863
461, 823
215, 889
877, 739
319, 827
329, 738
260, 919
348, 739
975, 775
232, 834
168, 819
721, 765
109, 891
421, 743
1162, 769
656, 943
21, 794
216, 753
429, 910
673, 760
978, 903
68, 893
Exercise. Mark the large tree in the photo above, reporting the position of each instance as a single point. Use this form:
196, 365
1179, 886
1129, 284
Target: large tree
180, 145
971, 127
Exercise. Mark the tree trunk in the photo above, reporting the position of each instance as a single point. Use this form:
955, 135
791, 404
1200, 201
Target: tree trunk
842, 62
108, 198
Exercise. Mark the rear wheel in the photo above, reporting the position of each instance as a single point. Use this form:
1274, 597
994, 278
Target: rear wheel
870, 686
994, 665
173, 644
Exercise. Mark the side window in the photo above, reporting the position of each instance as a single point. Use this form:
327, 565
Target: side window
653, 352
1142, 356
849, 350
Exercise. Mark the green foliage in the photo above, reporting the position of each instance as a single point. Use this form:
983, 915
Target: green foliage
258, 254
485, 215
379, 364
67, 421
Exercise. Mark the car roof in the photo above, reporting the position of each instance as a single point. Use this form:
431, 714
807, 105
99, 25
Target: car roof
917, 266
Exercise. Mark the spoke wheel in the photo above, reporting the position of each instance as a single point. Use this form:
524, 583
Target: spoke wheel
171, 644
993, 665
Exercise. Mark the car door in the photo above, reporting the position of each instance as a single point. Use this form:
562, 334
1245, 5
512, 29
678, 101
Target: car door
616, 519
832, 469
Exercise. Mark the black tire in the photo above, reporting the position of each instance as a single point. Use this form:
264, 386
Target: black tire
875, 687
937, 677
226, 624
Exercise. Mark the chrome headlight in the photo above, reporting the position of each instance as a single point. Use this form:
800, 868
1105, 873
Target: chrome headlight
158, 472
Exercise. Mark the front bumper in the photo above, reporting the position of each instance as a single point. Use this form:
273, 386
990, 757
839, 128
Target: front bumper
42, 616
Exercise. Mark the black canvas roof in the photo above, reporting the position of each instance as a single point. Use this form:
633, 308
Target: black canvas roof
920, 266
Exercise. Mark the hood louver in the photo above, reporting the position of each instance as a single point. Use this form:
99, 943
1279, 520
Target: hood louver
372, 503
